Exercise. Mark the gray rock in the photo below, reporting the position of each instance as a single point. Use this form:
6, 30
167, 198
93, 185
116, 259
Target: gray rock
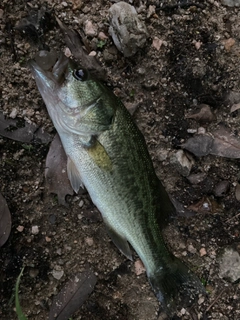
129, 33
229, 264
181, 162
231, 3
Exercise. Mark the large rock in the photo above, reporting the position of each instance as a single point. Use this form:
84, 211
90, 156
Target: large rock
129, 33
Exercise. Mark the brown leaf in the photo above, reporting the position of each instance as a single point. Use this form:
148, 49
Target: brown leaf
29, 133
72, 296
56, 171
225, 143
203, 114
5, 221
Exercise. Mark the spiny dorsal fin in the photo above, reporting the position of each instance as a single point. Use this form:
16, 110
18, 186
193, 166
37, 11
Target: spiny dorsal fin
74, 175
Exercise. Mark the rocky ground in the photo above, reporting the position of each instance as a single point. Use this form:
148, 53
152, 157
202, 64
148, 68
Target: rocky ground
182, 83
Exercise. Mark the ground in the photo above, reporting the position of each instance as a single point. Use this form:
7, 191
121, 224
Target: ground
197, 62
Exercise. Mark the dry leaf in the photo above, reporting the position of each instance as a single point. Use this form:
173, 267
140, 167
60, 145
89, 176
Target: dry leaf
29, 133
235, 107
203, 114
225, 143
5, 221
56, 171
72, 296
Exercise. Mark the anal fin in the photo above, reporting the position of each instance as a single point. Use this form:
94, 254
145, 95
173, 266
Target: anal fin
74, 175
120, 242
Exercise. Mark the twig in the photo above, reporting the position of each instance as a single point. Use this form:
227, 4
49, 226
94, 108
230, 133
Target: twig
215, 300
232, 217
183, 5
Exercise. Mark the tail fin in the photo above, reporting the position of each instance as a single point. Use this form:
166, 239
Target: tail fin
175, 286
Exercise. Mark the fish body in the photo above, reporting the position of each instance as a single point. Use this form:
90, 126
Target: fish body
108, 155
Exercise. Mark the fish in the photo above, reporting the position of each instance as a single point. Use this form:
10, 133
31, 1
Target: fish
107, 154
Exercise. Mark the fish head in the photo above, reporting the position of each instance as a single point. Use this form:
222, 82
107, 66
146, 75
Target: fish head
68, 90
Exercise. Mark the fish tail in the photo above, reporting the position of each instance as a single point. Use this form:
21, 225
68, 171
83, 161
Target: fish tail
175, 285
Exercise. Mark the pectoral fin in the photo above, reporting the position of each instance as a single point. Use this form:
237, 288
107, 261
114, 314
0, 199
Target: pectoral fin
98, 153
74, 175
120, 242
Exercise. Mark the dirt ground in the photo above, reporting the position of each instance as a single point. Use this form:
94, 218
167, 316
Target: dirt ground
197, 63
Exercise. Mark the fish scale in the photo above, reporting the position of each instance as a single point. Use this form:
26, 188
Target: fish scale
108, 155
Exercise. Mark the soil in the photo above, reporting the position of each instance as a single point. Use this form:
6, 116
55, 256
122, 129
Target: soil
196, 64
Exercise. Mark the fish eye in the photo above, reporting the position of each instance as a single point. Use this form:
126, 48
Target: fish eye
80, 74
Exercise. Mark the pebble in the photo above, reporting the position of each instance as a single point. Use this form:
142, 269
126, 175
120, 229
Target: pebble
89, 241
13, 113
221, 188
202, 252
35, 230
33, 273
157, 43
57, 274
191, 249
81, 203
102, 36
139, 267
20, 228
77, 4
196, 178
231, 3
90, 29
229, 264
181, 162
228, 44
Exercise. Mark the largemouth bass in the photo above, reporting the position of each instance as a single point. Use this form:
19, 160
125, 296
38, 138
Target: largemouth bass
108, 155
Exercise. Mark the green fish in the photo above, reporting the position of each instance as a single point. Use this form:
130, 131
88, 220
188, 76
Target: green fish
108, 155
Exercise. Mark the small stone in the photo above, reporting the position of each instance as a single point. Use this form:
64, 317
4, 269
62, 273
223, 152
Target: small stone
157, 43
229, 264
202, 252
64, 4
89, 241
201, 300
191, 249
102, 36
228, 44
196, 178
183, 311
182, 163
77, 4
81, 203
33, 273
92, 53
13, 113
231, 3
35, 230
67, 52
48, 239
221, 188
139, 267
20, 228
90, 29
57, 274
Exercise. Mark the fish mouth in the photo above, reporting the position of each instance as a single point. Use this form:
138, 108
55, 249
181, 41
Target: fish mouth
49, 67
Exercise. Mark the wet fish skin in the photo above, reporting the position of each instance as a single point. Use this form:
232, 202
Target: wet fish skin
108, 155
